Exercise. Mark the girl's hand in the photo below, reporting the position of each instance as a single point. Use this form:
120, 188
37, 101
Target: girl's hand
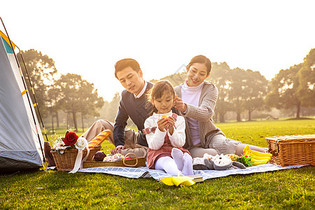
171, 125
180, 105
162, 124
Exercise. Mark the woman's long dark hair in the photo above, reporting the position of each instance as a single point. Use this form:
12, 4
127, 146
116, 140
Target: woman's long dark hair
200, 59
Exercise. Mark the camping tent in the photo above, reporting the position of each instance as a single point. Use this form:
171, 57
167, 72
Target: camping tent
21, 140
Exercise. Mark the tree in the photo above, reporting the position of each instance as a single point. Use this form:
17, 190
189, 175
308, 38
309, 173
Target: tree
236, 95
40, 72
113, 107
306, 89
77, 95
220, 77
53, 97
256, 88
90, 102
284, 87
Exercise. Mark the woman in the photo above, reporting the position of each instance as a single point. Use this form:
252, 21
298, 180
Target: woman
196, 100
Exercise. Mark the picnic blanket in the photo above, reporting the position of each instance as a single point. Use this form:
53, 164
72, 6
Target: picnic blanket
144, 172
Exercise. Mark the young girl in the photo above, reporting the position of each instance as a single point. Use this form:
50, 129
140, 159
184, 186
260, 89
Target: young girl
165, 134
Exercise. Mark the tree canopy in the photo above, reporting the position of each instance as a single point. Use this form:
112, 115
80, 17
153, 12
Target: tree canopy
306, 89
70, 93
77, 95
294, 87
39, 71
239, 90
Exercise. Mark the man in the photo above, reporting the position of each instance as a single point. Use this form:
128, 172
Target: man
133, 104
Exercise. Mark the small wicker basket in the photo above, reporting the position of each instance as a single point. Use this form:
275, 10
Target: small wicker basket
134, 162
65, 161
292, 149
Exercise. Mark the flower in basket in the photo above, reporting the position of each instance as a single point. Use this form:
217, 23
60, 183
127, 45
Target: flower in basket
81, 143
67, 142
70, 139
59, 144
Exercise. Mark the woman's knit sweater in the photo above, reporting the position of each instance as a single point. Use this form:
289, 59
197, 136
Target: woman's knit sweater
203, 113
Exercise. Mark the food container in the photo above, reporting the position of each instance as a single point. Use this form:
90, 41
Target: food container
292, 149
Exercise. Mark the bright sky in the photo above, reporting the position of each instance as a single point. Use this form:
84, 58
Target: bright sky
88, 37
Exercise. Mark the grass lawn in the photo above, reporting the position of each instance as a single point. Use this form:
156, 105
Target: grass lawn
287, 189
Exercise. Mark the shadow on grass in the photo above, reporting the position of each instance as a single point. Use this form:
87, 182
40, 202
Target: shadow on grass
301, 118
14, 172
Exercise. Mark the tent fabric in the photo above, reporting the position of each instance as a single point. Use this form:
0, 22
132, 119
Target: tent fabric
33, 122
11, 165
20, 136
6, 42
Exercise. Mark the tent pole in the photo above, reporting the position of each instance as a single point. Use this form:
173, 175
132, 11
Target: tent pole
31, 84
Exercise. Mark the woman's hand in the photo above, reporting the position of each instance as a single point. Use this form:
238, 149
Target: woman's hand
180, 105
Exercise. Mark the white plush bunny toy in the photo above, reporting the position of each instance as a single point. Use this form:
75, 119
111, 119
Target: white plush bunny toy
218, 162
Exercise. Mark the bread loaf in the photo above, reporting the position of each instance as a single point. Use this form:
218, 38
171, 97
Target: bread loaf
98, 140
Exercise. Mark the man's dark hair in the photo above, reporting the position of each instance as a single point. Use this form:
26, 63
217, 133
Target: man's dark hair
126, 62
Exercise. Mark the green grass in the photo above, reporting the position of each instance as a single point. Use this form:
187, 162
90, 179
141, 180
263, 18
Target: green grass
287, 189
256, 132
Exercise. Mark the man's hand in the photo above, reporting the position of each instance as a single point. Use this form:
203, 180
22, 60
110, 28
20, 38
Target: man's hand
117, 150
180, 105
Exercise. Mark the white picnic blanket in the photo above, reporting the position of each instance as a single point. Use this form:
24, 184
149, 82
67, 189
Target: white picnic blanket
144, 172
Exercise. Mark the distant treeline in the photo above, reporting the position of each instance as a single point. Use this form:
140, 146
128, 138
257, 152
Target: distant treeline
62, 98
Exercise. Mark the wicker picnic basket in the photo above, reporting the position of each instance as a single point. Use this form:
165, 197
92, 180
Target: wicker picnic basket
65, 161
134, 162
292, 149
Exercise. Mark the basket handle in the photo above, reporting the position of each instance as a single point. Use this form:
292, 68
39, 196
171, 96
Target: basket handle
130, 165
274, 152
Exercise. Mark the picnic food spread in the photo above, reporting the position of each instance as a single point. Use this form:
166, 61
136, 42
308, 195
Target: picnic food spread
117, 160
258, 158
231, 161
113, 158
208, 162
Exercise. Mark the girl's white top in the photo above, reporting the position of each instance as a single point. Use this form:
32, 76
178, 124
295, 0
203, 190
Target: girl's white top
156, 140
191, 95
